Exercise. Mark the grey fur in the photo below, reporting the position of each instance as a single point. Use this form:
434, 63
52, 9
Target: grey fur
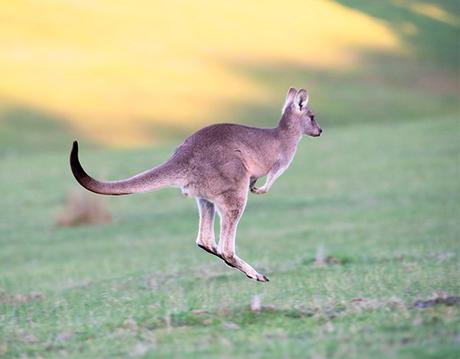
217, 165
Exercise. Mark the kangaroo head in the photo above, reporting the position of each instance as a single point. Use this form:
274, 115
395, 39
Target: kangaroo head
296, 113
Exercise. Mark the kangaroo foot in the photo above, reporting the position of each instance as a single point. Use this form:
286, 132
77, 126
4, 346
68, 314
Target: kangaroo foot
238, 263
228, 262
259, 277
212, 250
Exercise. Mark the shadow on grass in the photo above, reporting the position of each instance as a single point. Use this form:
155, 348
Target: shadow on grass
24, 129
382, 87
386, 89
429, 28
269, 315
165, 133
234, 318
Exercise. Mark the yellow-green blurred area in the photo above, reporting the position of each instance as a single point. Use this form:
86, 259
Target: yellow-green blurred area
136, 73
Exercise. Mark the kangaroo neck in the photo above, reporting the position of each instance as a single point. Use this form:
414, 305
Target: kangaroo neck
289, 136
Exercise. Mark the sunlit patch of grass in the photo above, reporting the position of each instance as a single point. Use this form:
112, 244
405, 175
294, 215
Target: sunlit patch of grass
111, 69
430, 10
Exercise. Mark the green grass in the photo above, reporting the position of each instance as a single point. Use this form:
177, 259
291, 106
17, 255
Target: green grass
381, 197
379, 191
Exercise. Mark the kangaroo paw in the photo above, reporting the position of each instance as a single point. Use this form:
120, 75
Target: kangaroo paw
260, 190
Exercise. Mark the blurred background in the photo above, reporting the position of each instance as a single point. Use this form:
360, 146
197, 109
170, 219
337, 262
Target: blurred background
363, 225
135, 74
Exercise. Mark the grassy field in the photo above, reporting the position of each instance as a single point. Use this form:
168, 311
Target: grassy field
378, 195
381, 199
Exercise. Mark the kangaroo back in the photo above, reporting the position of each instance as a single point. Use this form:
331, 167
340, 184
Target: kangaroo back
158, 177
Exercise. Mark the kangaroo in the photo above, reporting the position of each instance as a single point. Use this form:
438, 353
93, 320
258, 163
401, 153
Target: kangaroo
218, 165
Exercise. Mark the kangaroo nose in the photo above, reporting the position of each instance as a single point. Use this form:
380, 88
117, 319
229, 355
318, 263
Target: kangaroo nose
320, 130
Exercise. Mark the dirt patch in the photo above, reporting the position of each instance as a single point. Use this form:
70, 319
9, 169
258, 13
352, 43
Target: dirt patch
327, 261
237, 317
449, 300
19, 298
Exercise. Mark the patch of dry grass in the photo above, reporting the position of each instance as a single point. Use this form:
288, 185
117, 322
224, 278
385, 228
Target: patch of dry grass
83, 208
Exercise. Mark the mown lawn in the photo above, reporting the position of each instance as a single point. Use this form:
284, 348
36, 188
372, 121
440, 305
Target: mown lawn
381, 199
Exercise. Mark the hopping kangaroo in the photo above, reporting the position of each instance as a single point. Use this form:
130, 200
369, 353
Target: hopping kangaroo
218, 165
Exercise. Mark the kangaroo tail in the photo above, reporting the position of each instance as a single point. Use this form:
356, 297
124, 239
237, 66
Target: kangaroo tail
155, 178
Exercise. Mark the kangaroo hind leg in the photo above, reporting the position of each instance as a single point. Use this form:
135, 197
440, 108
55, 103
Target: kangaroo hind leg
231, 209
205, 238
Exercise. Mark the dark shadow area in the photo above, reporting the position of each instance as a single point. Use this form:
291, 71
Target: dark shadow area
235, 317
164, 133
24, 129
421, 81
382, 87
421, 27
387, 88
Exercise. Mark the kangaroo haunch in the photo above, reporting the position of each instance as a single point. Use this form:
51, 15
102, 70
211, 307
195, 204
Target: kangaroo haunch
218, 165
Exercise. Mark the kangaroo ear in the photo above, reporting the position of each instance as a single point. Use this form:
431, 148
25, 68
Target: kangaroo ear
289, 98
301, 99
